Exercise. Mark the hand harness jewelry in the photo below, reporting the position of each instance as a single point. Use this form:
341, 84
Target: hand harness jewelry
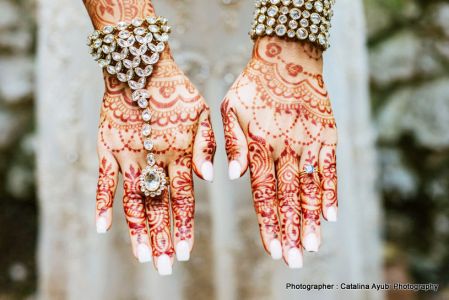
302, 20
129, 51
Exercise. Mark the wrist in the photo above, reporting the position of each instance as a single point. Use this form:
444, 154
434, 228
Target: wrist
286, 51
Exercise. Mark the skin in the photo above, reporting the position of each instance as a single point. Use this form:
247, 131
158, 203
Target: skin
182, 134
278, 118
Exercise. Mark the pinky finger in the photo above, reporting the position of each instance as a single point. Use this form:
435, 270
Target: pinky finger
106, 187
328, 166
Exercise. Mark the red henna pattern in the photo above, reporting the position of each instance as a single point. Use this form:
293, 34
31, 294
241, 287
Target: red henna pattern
182, 199
208, 137
273, 50
294, 69
310, 186
105, 187
159, 223
133, 203
329, 179
263, 184
229, 121
288, 195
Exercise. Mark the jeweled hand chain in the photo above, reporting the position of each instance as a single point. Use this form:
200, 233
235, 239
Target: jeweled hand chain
129, 51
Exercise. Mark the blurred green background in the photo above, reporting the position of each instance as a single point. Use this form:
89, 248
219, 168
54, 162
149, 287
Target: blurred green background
408, 43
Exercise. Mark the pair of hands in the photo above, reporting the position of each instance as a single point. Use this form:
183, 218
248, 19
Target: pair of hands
277, 120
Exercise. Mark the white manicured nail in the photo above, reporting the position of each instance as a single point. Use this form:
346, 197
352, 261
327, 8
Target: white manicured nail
207, 170
182, 251
235, 170
164, 265
311, 242
143, 253
275, 249
102, 225
331, 214
295, 258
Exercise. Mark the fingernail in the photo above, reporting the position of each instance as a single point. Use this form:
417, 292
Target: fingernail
207, 170
331, 214
164, 265
182, 251
275, 249
294, 258
311, 242
234, 170
102, 225
143, 253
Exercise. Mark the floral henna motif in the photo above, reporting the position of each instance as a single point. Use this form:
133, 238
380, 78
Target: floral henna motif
159, 223
310, 189
133, 204
329, 179
229, 121
209, 138
263, 184
103, 12
105, 187
287, 170
182, 199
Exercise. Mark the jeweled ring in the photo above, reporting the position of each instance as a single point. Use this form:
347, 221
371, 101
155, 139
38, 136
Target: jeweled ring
310, 169
153, 181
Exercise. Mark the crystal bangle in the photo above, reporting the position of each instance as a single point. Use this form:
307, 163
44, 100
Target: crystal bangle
129, 51
295, 19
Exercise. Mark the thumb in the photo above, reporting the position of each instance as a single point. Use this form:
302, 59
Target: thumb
204, 148
236, 145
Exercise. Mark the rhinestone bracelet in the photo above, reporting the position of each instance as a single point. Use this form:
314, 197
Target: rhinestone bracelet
296, 19
129, 51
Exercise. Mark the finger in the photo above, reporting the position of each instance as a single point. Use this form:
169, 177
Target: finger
133, 204
204, 148
183, 206
236, 145
263, 184
310, 191
287, 172
158, 213
106, 187
328, 167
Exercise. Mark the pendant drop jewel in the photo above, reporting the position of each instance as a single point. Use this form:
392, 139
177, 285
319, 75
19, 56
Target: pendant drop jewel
153, 180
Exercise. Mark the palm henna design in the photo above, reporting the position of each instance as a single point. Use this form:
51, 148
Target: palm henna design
183, 142
278, 120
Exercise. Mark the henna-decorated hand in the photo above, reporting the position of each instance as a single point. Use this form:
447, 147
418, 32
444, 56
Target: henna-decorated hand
183, 140
278, 121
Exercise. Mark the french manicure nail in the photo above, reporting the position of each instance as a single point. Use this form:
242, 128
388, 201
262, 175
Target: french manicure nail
143, 253
275, 249
235, 170
102, 225
164, 265
182, 251
295, 260
331, 214
207, 170
311, 242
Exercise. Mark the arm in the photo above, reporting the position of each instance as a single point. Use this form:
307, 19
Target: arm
279, 123
183, 142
